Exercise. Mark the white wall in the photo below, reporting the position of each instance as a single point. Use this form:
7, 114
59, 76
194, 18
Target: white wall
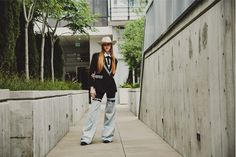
122, 72
94, 46
122, 68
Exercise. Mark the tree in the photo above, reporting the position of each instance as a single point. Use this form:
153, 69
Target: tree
43, 8
57, 14
9, 28
77, 16
33, 51
75, 13
28, 8
141, 9
132, 43
58, 57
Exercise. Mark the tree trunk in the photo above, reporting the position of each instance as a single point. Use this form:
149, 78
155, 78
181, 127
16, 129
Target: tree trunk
129, 79
133, 74
42, 48
26, 52
53, 41
42, 58
52, 57
28, 18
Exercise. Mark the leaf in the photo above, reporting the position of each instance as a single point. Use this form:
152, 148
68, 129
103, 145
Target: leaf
132, 42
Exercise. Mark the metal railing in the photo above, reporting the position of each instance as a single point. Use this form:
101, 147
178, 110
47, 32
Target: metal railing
123, 13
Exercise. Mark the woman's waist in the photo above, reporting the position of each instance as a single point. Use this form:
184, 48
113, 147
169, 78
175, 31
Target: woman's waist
96, 76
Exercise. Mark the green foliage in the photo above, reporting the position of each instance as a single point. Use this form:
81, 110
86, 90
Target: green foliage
33, 51
28, 3
34, 59
140, 10
9, 27
75, 13
132, 42
130, 85
12, 36
78, 16
58, 60
17, 83
58, 57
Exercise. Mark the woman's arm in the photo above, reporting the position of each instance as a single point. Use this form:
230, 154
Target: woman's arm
92, 71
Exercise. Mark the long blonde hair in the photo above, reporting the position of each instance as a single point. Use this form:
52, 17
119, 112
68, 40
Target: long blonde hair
101, 62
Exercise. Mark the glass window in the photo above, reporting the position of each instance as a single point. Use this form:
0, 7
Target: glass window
100, 8
131, 3
134, 3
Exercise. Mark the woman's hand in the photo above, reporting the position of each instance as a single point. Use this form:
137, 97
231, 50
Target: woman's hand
93, 76
92, 92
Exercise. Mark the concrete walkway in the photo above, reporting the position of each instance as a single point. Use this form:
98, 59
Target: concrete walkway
132, 139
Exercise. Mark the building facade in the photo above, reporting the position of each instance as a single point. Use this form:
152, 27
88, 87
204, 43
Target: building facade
112, 15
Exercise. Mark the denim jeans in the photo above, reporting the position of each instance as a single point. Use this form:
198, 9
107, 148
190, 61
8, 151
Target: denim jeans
90, 127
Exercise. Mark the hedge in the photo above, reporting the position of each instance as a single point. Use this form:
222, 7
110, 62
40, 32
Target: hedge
9, 27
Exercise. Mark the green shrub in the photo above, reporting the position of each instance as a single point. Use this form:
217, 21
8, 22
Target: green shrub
58, 57
9, 32
15, 83
128, 85
135, 85
34, 56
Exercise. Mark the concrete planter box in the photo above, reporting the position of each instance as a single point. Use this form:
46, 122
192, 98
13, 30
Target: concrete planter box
39, 119
124, 95
4, 124
134, 96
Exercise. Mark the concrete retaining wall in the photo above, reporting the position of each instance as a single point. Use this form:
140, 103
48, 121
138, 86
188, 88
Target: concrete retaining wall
124, 95
79, 105
134, 97
188, 83
4, 124
39, 119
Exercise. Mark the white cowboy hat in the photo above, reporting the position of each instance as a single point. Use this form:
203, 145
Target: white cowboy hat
107, 40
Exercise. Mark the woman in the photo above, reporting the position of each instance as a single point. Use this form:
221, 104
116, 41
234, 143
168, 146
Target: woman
102, 70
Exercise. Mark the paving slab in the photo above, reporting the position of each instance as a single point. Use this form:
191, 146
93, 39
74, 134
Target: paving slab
140, 141
132, 139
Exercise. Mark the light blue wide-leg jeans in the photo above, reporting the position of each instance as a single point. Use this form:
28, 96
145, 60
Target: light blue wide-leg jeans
109, 120
89, 129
